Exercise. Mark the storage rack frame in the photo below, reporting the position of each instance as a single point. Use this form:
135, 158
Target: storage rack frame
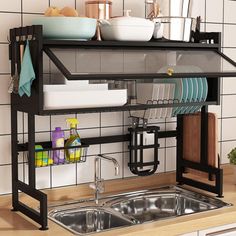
34, 106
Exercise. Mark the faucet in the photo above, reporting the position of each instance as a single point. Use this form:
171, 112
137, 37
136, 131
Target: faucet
98, 184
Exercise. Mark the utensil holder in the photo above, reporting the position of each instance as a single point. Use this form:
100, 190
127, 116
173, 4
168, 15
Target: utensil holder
136, 147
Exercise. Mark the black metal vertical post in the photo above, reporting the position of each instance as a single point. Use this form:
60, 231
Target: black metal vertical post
179, 150
14, 160
204, 136
219, 183
31, 149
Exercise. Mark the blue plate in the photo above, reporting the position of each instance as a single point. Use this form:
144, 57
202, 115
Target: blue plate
195, 94
190, 94
205, 89
200, 94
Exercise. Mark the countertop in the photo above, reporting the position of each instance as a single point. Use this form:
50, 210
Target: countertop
12, 223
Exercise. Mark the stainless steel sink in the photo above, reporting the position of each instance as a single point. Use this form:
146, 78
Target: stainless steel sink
164, 203
85, 217
87, 220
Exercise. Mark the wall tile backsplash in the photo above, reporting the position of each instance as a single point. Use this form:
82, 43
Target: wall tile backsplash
218, 16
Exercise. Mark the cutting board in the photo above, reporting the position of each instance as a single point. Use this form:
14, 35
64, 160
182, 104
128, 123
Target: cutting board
192, 140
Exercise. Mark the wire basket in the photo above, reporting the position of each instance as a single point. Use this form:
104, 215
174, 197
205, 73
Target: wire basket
59, 156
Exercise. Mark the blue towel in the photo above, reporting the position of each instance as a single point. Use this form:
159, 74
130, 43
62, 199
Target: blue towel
27, 74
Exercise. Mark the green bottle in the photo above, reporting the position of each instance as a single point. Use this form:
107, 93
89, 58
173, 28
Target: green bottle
73, 154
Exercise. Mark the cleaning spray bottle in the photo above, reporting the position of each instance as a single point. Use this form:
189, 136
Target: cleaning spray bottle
73, 154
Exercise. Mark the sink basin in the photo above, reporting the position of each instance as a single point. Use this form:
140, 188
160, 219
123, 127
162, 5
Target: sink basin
165, 203
85, 217
89, 220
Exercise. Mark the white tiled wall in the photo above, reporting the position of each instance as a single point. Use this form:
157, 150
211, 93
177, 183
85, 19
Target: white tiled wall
217, 15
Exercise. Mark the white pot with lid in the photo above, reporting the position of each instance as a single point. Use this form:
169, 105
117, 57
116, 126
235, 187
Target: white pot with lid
127, 28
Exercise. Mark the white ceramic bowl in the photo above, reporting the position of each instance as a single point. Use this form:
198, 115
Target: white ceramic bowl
78, 28
127, 29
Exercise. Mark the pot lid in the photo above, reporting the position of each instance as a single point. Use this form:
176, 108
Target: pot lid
128, 20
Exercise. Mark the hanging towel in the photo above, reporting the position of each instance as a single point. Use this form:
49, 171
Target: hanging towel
27, 74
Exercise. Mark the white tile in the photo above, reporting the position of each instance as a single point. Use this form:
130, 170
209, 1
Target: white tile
226, 148
21, 122
127, 172
227, 132
161, 158
85, 171
112, 62
111, 118
22, 172
5, 174
63, 175
93, 150
112, 131
229, 85
127, 118
5, 125
214, 10
88, 133
88, 120
170, 159
214, 27
62, 3
228, 109
134, 62
42, 137
198, 9
8, 21
35, 7
108, 168
170, 142
215, 109
229, 8
4, 95
137, 7
111, 147
46, 64
88, 61
60, 121
42, 123
4, 60
117, 8
80, 7
5, 147
229, 35
28, 18
43, 177
171, 126
13, 5
67, 57
230, 52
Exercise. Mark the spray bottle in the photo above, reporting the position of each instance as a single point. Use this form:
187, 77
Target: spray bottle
73, 154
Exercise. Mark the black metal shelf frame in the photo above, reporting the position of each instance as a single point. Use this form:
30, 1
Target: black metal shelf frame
34, 106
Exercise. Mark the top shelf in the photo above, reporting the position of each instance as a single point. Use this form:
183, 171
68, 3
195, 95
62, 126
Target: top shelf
125, 44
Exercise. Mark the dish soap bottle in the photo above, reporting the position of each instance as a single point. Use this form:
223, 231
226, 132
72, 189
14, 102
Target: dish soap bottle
73, 154
58, 138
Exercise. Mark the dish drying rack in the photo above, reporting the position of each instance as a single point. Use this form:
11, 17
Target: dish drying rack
35, 106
